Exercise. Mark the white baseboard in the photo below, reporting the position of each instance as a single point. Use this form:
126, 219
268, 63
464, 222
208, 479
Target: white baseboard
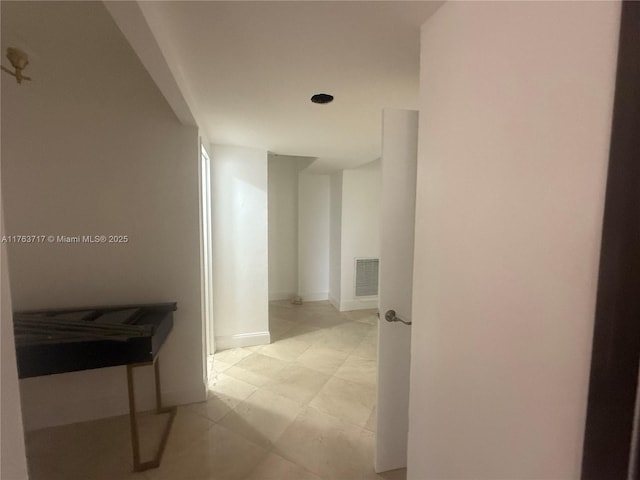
315, 296
381, 466
349, 305
280, 296
242, 340
335, 302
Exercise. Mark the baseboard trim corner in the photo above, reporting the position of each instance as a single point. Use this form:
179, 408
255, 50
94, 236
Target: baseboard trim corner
350, 305
335, 302
242, 340
315, 296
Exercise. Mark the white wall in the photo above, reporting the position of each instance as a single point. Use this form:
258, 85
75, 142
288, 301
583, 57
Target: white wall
313, 237
13, 461
140, 30
91, 147
335, 238
360, 228
240, 252
283, 226
516, 106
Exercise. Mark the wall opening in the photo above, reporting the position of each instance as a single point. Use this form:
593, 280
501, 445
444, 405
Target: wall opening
207, 269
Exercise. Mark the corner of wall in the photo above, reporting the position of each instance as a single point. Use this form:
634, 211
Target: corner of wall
359, 304
314, 296
276, 296
335, 302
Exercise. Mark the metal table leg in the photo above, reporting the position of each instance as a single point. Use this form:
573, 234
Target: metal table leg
139, 466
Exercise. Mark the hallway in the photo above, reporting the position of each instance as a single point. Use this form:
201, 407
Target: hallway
301, 408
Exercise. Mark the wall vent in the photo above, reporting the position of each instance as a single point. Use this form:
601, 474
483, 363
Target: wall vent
366, 277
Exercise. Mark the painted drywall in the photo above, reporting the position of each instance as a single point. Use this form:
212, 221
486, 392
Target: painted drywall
13, 460
131, 20
360, 229
294, 48
515, 114
240, 251
313, 236
91, 147
335, 238
283, 226
398, 202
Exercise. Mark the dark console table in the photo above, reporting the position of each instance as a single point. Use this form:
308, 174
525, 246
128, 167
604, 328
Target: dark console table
73, 339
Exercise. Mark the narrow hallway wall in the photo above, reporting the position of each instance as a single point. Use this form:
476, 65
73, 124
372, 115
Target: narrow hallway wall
313, 237
240, 252
283, 173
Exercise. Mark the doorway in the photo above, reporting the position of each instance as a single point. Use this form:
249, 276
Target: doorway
207, 265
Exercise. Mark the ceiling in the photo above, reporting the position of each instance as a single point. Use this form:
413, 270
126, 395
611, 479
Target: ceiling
248, 69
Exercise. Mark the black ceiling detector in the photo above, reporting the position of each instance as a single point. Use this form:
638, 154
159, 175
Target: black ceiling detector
322, 98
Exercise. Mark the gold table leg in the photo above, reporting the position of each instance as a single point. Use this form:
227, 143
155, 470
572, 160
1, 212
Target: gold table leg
139, 466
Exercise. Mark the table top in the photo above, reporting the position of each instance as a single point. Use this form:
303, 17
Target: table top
59, 340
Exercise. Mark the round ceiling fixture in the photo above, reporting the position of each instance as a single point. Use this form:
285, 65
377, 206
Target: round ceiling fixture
322, 98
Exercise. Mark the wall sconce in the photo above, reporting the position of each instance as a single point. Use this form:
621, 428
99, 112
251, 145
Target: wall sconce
19, 60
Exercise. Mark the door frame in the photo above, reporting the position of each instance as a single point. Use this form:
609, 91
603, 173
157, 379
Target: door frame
616, 342
206, 251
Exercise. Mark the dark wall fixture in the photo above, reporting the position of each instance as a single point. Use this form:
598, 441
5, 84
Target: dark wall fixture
322, 98
608, 449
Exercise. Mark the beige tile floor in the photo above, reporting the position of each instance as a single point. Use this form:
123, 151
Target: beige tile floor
301, 408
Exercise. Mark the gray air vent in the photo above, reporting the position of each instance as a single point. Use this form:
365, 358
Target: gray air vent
366, 277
